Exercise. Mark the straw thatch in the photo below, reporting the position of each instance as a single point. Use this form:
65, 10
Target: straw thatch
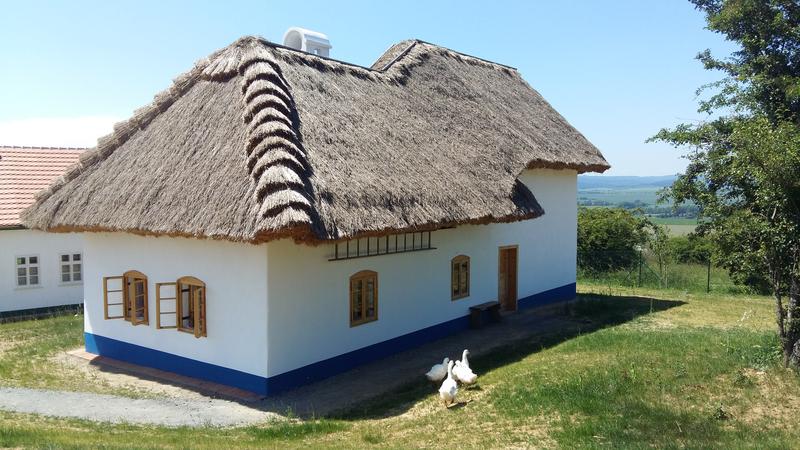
258, 142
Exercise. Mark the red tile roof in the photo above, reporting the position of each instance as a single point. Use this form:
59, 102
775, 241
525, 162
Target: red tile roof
24, 171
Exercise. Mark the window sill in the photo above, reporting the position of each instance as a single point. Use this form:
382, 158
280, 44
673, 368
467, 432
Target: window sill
25, 288
71, 283
460, 297
363, 322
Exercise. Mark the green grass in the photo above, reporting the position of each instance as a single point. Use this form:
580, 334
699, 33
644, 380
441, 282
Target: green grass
27, 348
633, 368
32, 356
679, 277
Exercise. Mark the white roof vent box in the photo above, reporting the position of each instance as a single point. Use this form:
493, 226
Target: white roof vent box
307, 41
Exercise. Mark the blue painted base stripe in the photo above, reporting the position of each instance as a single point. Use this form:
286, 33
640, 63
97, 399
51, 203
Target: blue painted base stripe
559, 294
342, 363
143, 356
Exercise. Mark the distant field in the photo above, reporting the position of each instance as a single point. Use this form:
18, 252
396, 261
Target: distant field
681, 230
678, 226
647, 195
674, 221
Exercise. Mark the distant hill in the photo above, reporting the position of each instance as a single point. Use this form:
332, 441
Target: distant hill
612, 182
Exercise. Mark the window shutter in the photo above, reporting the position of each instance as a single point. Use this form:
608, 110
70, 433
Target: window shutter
107, 291
139, 300
199, 312
163, 306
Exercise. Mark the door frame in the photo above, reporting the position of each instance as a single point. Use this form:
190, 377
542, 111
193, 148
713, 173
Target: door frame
500, 250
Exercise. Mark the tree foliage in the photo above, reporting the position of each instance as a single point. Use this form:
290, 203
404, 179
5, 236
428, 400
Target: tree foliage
609, 238
744, 164
691, 249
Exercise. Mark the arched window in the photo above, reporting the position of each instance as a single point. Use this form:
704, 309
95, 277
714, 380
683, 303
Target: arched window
125, 297
191, 306
459, 277
363, 297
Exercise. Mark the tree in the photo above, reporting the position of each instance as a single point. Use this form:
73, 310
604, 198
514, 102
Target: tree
744, 163
609, 238
661, 249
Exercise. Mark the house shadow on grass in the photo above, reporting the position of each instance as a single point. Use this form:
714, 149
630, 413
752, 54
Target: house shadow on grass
357, 394
393, 385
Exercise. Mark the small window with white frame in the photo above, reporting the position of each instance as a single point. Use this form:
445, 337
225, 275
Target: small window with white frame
71, 267
27, 268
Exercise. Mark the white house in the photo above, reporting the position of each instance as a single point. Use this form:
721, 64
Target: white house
277, 217
38, 270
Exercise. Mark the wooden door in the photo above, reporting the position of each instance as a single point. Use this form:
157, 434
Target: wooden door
507, 278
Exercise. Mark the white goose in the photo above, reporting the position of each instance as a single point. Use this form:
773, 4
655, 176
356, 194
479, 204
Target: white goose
449, 387
462, 371
438, 371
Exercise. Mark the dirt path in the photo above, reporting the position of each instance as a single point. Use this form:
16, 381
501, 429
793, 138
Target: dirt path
171, 412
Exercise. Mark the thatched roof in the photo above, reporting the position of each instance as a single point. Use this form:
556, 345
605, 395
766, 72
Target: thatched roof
259, 142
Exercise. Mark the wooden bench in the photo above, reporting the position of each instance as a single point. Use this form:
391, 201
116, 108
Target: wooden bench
476, 313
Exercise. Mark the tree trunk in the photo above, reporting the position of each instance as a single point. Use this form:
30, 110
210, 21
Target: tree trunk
791, 338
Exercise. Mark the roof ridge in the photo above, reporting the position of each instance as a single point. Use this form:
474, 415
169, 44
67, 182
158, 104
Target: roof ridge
42, 147
414, 41
443, 51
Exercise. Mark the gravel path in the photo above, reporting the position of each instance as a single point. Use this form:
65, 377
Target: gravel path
169, 412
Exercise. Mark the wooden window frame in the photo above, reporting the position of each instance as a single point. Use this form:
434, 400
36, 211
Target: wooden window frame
107, 291
363, 276
458, 261
127, 283
129, 280
198, 306
160, 308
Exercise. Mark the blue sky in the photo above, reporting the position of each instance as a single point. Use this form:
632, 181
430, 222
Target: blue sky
618, 70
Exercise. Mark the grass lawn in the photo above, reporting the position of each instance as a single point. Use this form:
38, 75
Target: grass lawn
28, 352
679, 277
641, 369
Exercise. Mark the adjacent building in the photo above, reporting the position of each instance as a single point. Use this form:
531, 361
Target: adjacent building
37, 270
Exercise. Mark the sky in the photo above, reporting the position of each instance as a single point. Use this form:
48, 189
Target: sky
617, 70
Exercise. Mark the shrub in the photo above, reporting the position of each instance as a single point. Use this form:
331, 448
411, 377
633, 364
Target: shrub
691, 249
609, 238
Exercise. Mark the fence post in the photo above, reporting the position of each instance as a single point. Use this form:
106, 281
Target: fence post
708, 277
641, 262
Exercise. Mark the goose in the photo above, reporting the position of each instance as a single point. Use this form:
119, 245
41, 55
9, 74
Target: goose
449, 387
464, 361
438, 371
462, 371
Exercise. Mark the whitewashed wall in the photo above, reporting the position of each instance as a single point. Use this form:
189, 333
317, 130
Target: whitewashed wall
235, 299
48, 247
308, 295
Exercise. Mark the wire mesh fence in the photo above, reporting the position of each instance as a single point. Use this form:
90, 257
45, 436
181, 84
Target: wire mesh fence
644, 269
